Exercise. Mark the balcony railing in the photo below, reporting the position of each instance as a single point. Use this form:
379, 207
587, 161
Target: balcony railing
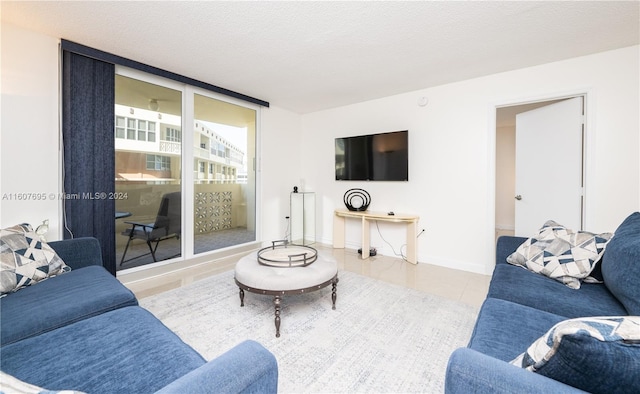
170, 147
201, 153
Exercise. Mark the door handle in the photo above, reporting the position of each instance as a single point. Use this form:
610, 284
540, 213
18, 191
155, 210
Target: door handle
518, 197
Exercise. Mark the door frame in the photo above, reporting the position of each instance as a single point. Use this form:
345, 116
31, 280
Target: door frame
587, 148
188, 257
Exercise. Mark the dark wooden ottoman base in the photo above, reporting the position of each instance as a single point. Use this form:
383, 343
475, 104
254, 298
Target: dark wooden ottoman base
277, 296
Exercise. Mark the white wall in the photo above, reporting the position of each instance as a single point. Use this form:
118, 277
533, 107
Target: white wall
452, 154
29, 153
280, 169
506, 173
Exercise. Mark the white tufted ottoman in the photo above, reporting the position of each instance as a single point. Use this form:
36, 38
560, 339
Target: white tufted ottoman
279, 281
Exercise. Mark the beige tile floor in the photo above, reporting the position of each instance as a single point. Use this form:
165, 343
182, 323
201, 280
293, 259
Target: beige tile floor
466, 287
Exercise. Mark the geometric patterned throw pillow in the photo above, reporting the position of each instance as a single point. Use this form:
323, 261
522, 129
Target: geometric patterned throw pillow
11, 384
561, 254
26, 259
596, 354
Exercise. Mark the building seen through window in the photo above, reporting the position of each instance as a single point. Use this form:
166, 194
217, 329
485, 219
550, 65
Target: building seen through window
150, 169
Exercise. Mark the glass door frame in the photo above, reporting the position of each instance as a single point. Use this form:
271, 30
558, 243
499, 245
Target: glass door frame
187, 163
189, 192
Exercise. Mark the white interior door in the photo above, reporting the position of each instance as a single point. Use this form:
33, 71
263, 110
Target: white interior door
549, 163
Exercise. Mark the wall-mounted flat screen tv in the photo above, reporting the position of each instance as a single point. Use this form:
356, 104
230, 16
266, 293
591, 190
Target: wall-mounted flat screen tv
374, 157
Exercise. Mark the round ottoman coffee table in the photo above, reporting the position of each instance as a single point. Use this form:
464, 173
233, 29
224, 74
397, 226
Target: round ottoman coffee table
257, 278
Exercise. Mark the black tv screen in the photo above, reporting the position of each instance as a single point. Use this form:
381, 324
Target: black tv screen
374, 157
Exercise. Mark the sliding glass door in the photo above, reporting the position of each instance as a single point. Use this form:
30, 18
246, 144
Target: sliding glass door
224, 136
185, 173
148, 169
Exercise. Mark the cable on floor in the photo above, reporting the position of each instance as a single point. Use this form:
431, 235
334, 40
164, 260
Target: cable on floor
391, 246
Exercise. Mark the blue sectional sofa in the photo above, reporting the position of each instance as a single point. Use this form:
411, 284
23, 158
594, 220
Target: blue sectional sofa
521, 306
83, 330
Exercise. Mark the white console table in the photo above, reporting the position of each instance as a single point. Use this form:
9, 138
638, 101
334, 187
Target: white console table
411, 222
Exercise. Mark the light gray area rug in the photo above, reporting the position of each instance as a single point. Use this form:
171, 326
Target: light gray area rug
381, 338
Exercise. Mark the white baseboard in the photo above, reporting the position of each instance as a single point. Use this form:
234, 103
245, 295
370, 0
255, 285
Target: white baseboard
459, 265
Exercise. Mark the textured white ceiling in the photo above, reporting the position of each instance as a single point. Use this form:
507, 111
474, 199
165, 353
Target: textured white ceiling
309, 56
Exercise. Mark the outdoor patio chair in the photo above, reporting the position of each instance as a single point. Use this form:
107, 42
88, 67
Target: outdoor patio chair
166, 226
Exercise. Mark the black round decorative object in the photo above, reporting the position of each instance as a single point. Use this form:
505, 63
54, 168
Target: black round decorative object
357, 199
